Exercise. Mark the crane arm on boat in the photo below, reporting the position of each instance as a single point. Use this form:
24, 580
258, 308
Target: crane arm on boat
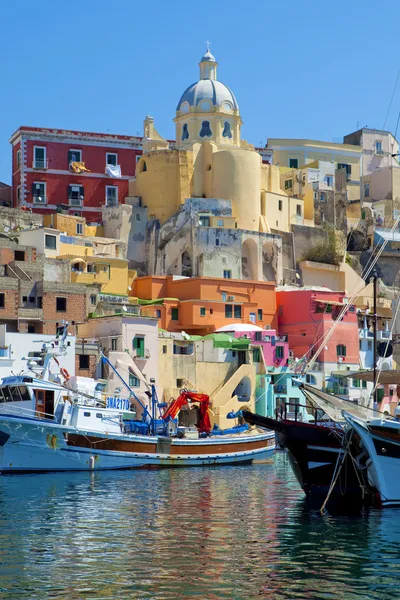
186, 396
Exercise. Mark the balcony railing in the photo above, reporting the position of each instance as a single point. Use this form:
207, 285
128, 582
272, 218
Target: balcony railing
40, 163
75, 201
39, 200
111, 202
141, 354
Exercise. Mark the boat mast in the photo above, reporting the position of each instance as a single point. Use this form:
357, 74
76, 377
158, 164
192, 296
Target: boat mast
375, 392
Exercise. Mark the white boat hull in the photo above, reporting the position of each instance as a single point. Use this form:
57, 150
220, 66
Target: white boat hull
383, 464
29, 445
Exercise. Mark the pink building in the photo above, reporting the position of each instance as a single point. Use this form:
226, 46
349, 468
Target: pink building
275, 348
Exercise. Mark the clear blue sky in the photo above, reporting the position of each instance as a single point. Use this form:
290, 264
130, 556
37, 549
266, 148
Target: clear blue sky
298, 69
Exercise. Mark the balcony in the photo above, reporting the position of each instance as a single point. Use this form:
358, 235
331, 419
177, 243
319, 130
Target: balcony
111, 202
39, 200
40, 164
89, 278
75, 202
34, 313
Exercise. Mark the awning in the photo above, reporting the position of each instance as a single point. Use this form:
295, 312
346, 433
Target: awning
392, 377
333, 302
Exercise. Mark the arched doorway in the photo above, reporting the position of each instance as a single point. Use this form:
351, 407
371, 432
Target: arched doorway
267, 262
249, 260
243, 390
187, 270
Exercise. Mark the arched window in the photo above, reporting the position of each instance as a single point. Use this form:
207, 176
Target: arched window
143, 167
227, 130
185, 133
205, 129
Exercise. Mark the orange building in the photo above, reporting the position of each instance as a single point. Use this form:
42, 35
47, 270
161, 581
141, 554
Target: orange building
200, 305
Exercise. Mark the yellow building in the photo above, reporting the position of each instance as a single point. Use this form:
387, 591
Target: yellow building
210, 160
72, 225
295, 154
111, 273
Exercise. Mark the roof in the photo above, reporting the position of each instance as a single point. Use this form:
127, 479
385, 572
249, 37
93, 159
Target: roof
208, 89
208, 57
245, 327
392, 377
306, 288
224, 340
388, 234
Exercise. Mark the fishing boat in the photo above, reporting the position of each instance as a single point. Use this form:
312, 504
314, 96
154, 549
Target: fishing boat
53, 422
314, 441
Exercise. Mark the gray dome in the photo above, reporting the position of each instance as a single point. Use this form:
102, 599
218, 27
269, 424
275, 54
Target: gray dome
208, 57
208, 89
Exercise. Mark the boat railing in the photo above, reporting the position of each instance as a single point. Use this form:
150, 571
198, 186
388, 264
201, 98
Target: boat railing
25, 412
296, 412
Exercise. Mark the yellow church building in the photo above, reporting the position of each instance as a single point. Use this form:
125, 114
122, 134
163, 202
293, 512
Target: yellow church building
215, 207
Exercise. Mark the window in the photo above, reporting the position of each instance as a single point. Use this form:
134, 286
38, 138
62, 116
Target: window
180, 383
112, 159
298, 210
174, 314
280, 205
164, 349
347, 168
31, 329
293, 163
279, 352
228, 311
204, 221
378, 147
340, 350
32, 299
39, 158
158, 313
356, 383
352, 309
223, 296
2, 300
61, 304
185, 132
369, 345
366, 190
220, 223
237, 311
111, 195
74, 156
364, 384
18, 159
217, 242
39, 300
329, 180
39, 192
227, 130
19, 193
288, 184
257, 336
50, 242
19, 255
84, 361
205, 130
202, 311
259, 314
86, 414
227, 274
256, 355
133, 381
90, 268
99, 415
252, 317
93, 299
79, 228
114, 342
76, 194
322, 197
137, 216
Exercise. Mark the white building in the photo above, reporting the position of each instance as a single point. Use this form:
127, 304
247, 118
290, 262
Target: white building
15, 346
378, 148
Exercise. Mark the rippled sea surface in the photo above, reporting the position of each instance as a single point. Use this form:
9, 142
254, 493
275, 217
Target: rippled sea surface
229, 532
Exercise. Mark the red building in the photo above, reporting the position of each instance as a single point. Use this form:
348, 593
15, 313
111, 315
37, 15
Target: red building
73, 170
307, 315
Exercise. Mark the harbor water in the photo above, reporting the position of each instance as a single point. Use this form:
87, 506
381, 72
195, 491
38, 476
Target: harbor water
206, 533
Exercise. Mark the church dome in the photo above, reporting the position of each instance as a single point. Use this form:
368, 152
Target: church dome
208, 91
212, 90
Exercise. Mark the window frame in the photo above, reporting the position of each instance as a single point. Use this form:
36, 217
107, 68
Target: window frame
228, 311
35, 159
111, 187
86, 356
342, 349
227, 273
202, 311
237, 311
279, 352
58, 298
289, 184
44, 196
80, 226
116, 159
298, 210
50, 236
133, 382
174, 313
2, 300
74, 150
293, 160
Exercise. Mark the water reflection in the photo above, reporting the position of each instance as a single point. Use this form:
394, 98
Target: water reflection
234, 532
